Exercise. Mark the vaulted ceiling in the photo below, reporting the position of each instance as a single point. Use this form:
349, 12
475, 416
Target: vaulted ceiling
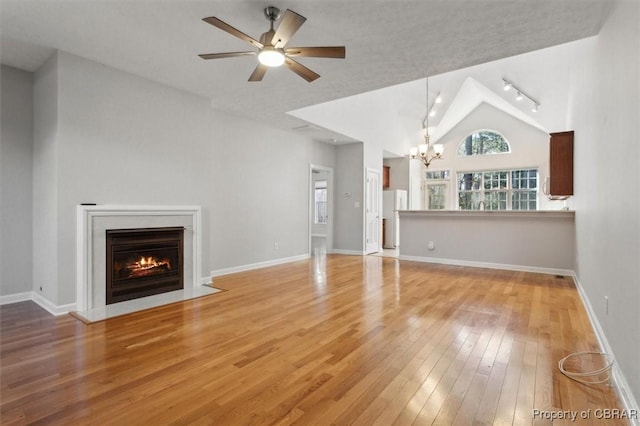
387, 42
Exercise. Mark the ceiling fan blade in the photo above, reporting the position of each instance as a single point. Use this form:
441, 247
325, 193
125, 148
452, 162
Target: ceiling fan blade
317, 52
258, 73
289, 24
226, 55
301, 70
233, 31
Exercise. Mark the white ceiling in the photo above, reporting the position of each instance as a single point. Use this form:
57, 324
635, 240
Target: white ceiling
387, 43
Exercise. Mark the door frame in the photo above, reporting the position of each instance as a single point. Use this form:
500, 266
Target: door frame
330, 197
379, 217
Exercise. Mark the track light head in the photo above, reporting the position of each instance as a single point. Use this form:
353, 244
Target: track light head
520, 95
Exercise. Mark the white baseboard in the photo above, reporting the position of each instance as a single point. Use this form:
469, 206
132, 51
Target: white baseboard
206, 280
622, 387
49, 306
258, 265
349, 252
488, 265
15, 298
40, 300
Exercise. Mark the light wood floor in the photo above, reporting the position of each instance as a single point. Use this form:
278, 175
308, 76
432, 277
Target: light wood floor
337, 339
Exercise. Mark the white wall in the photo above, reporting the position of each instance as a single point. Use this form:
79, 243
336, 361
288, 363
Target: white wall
16, 154
604, 102
108, 137
529, 149
382, 118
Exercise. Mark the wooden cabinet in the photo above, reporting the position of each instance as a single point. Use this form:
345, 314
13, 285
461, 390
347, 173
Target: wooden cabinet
561, 164
385, 177
384, 232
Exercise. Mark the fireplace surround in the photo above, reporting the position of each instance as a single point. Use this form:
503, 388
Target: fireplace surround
94, 220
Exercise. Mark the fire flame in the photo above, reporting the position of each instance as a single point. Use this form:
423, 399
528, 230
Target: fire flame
151, 262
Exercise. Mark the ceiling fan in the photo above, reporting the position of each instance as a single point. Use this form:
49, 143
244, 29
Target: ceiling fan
272, 47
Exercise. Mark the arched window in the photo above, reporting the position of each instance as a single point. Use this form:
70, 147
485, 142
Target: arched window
483, 142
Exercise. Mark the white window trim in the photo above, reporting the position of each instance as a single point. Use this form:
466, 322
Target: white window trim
509, 190
489, 153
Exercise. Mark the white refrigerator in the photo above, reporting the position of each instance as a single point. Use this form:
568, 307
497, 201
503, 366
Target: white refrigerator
392, 201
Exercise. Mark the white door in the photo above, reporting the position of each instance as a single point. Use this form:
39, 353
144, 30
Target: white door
372, 211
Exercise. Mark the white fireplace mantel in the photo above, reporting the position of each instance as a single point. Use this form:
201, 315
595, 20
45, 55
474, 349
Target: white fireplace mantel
93, 220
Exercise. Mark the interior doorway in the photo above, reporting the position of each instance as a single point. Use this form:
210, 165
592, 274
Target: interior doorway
320, 210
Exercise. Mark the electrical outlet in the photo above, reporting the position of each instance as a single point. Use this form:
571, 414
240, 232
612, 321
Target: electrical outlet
606, 305
275, 245
431, 245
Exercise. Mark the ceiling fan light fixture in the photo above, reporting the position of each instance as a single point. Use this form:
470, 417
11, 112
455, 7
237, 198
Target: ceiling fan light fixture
271, 57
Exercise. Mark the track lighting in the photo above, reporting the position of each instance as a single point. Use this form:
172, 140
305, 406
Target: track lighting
520, 95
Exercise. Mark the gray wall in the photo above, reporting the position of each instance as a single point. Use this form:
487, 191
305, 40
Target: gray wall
605, 109
260, 189
108, 137
398, 172
125, 140
16, 153
45, 180
349, 184
538, 241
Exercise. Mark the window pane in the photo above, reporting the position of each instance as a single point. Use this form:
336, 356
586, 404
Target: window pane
437, 197
495, 180
321, 205
498, 190
437, 175
495, 200
524, 200
482, 143
524, 179
469, 181
469, 200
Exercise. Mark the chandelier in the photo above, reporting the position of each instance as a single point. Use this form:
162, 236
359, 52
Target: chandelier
422, 151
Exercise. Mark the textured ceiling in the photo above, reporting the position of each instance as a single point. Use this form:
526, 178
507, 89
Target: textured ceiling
387, 42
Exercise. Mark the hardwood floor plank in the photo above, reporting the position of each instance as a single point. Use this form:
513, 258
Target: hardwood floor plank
341, 339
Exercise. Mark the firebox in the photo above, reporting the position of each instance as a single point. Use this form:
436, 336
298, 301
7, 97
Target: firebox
142, 262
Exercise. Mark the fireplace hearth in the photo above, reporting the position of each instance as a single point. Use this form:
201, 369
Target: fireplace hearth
143, 262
